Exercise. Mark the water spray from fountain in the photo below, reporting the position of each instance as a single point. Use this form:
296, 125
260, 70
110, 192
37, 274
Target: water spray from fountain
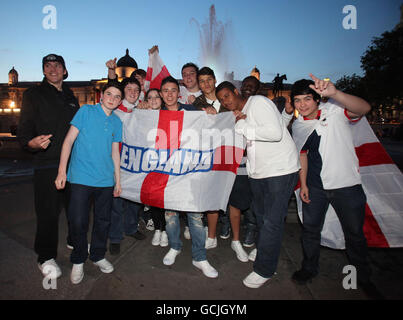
214, 44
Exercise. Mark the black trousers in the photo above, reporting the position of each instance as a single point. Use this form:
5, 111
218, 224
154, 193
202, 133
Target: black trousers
158, 216
48, 204
349, 205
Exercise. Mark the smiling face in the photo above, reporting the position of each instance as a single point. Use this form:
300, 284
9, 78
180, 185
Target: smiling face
170, 95
111, 98
189, 76
306, 105
228, 99
54, 72
249, 88
154, 99
207, 84
132, 92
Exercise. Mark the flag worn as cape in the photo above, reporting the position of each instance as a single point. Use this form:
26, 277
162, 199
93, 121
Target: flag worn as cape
180, 160
382, 182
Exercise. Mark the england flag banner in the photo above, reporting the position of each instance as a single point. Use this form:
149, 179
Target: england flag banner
180, 160
382, 182
156, 72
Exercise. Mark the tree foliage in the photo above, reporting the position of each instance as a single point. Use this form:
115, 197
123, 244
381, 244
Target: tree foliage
382, 64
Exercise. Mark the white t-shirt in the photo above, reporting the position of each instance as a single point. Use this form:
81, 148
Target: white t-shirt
271, 151
340, 166
185, 93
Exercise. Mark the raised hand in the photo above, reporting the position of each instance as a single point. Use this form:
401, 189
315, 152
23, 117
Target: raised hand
111, 64
288, 107
153, 49
325, 88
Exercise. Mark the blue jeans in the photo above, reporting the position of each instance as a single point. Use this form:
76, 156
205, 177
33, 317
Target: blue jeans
270, 203
125, 218
349, 205
196, 232
78, 216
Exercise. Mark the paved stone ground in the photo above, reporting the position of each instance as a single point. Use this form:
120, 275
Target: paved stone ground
140, 275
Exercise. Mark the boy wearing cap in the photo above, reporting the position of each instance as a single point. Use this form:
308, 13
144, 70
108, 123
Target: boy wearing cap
46, 112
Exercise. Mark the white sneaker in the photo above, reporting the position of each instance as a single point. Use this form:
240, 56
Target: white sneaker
252, 255
253, 280
170, 257
164, 239
240, 252
150, 225
211, 243
207, 269
77, 273
206, 230
186, 233
104, 265
156, 238
50, 269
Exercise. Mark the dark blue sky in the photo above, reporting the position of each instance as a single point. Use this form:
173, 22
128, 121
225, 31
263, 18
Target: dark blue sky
294, 37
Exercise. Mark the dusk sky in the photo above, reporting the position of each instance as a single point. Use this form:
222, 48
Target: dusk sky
292, 37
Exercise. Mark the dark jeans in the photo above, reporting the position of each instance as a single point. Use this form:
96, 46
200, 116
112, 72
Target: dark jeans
270, 203
48, 204
349, 205
78, 215
124, 218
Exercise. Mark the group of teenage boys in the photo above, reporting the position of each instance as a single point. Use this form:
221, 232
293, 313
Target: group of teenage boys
77, 157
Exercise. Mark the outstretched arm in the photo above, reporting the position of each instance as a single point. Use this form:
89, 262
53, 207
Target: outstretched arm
71, 136
356, 107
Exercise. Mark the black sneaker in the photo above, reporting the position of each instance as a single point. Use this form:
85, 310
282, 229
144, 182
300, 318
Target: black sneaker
302, 276
138, 235
249, 238
225, 231
114, 248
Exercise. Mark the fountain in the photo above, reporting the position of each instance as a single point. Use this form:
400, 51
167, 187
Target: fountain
214, 44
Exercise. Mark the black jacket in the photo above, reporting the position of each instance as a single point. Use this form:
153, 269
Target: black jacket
45, 110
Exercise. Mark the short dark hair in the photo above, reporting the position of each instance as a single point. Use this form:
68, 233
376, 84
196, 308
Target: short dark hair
254, 79
169, 79
190, 64
114, 84
205, 71
225, 85
142, 73
127, 81
301, 87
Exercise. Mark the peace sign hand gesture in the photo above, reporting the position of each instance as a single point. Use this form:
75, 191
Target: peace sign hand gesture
325, 88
